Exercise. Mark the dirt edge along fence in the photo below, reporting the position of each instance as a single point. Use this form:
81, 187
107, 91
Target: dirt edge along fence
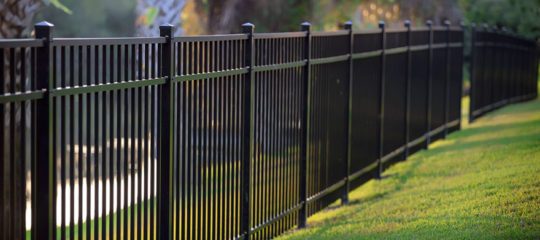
226, 136
503, 68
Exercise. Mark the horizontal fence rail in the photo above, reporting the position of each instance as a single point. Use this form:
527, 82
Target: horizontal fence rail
504, 69
239, 136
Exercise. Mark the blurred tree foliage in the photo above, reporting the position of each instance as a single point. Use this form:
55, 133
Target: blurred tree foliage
153, 13
521, 16
97, 18
91, 18
225, 16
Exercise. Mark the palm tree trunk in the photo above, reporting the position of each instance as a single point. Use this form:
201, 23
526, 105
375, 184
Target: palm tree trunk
16, 17
168, 12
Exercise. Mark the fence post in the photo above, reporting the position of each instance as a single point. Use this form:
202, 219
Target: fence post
505, 77
447, 80
380, 137
166, 137
493, 65
407, 25
486, 42
345, 194
247, 121
429, 83
462, 25
43, 197
472, 80
515, 60
519, 72
512, 68
302, 216
497, 73
534, 71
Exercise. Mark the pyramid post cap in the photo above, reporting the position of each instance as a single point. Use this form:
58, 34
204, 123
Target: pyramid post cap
166, 30
407, 23
348, 25
305, 26
248, 27
44, 24
166, 27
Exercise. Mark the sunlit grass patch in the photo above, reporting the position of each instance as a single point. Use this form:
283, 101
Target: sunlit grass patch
480, 183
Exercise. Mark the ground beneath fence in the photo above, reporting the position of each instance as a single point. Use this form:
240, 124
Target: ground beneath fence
480, 183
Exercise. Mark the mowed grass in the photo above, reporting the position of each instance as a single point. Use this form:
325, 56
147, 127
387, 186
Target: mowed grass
480, 183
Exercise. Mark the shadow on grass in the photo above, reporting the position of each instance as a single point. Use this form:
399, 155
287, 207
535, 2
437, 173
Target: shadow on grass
402, 178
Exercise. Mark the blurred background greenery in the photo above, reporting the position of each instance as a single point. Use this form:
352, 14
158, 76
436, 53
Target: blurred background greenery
111, 18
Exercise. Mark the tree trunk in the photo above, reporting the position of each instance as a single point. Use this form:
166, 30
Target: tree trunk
168, 12
16, 17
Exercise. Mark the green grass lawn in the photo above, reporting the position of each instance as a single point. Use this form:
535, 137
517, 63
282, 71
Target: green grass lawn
480, 183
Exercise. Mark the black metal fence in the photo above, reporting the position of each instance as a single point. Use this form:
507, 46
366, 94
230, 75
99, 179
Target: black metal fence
504, 70
212, 137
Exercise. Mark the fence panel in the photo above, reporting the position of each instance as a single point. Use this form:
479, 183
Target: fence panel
365, 97
278, 107
503, 70
207, 124
105, 130
438, 84
455, 80
395, 94
419, 86
18, 95
328, 119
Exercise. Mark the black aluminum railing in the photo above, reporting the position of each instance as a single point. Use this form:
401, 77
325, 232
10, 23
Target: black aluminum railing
504, 69
217, 137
